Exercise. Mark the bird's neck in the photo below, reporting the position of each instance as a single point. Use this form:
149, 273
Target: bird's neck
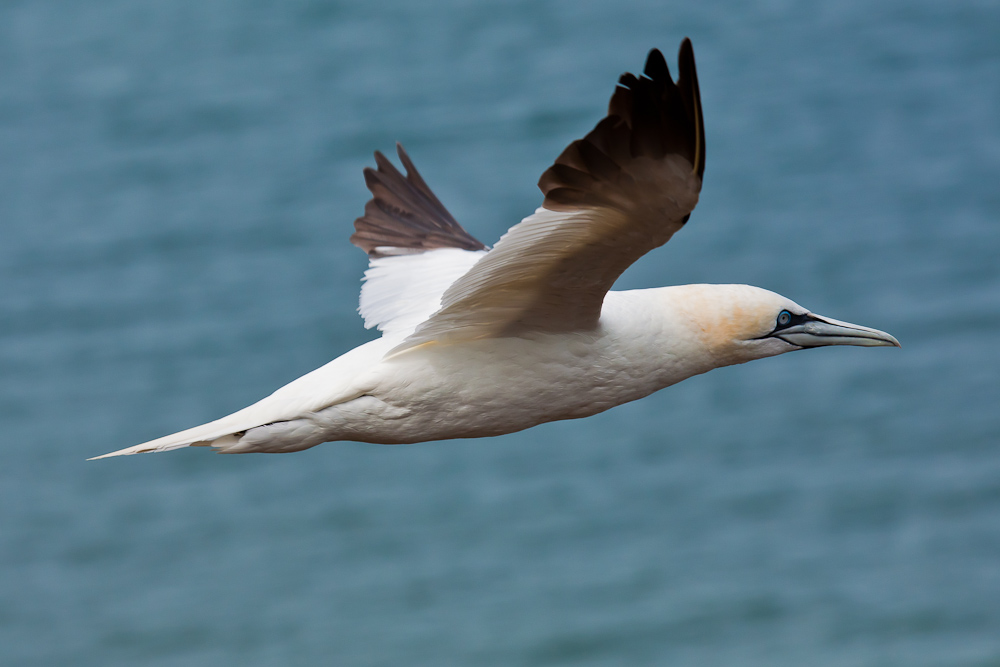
685, 329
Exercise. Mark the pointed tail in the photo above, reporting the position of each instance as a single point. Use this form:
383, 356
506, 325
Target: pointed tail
220, 433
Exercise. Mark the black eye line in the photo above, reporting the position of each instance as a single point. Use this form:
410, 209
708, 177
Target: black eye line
792, 321
795, 319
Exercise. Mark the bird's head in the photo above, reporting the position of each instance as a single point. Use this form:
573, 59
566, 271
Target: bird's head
739, 323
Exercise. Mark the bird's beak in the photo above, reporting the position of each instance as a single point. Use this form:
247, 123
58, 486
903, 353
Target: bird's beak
818, 331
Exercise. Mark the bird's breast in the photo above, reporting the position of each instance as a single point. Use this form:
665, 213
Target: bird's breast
494, 386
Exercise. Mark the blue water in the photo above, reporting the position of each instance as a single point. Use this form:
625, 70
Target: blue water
177, 184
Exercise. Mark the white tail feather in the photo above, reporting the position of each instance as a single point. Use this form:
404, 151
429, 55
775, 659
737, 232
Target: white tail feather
204, 435
328, 385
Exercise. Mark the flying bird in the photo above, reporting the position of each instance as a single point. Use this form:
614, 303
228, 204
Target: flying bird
480, 342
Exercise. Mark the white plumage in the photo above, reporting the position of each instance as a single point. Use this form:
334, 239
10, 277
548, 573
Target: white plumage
401, 291
478, 342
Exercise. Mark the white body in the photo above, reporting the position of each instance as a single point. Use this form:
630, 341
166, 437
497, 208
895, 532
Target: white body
646, 340
498, 385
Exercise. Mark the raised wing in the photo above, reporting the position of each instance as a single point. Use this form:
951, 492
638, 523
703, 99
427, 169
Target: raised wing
416, 248
611, 197
403, 216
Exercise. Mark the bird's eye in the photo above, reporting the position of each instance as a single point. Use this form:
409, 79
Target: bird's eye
784, 317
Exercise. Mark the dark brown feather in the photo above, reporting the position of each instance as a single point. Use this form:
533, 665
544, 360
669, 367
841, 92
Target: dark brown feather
648, 117
404, 214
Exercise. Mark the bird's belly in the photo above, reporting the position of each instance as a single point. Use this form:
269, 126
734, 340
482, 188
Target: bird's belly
489, 389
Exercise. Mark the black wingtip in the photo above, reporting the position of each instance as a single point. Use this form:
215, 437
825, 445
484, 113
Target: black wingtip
687, 82
656, 66
685, 60
649, 116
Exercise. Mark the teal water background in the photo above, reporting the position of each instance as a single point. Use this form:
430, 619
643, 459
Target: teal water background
177, 185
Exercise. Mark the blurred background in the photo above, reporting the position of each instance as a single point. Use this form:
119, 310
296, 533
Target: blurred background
177, 185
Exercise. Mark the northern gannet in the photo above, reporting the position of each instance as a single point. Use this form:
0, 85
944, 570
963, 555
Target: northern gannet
479, 342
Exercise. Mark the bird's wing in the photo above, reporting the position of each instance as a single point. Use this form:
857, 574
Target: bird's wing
416, 248
611, 197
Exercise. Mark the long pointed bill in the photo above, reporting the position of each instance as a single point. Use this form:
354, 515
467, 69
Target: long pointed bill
820, 331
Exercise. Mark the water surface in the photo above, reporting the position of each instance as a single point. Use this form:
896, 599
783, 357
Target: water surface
177, 184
